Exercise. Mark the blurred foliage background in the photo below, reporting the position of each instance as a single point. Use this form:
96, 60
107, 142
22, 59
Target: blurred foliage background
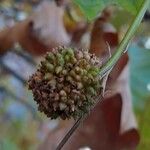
21, 126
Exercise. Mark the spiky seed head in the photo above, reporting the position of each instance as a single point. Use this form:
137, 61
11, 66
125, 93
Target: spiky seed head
79, 85
64, 72
62, 93
49, 67
58, 69
50, 57
62, 106
79, 55
48, 76
66, 83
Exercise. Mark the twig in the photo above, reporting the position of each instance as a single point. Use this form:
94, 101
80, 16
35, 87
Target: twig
76, 125
105, 78
70, 132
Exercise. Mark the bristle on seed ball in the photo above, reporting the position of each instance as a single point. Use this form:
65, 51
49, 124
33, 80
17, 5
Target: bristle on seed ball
66, 83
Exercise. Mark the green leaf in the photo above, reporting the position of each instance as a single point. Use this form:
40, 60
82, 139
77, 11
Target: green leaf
91, 8
130, 5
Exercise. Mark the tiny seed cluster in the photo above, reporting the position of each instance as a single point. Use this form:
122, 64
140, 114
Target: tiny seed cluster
66, 83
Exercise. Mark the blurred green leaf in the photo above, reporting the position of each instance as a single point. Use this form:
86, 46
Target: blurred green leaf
130, 5
139, 74
144, 122
92, 7
7, 144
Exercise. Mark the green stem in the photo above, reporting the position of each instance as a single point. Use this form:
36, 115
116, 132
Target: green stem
120, 50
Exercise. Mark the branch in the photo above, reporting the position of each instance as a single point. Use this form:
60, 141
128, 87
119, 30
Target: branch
76, 125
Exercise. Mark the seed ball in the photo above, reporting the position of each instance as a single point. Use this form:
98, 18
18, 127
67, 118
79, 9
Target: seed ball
78, 78
79, 55
62, 93
56, 97
67, 89
78, 70
64, 72
58, 69
84, 71
86, 55
69, 78
79, 85
72, 108
67, 58
66, 83
62, 106
73, 60
60, 59
72, 73
64, 99
50, 57
48, 76
49, 67
59, 86
83, 63
85, 79
52, 83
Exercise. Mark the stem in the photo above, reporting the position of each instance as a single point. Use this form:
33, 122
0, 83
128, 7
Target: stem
76, 125
112, 61
134, 25
70, 132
